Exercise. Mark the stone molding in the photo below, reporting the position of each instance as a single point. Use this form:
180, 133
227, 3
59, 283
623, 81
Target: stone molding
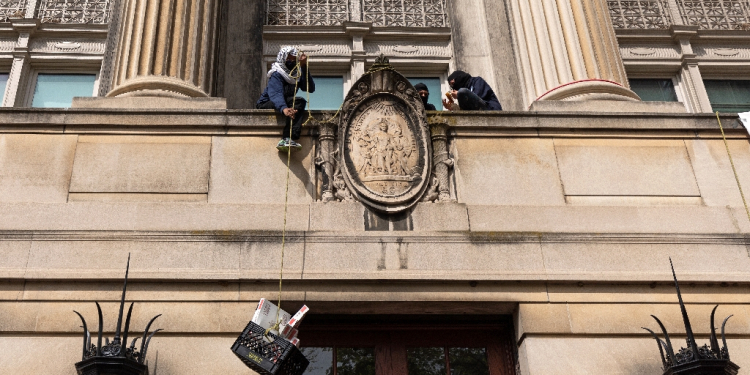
82, 46
266, 123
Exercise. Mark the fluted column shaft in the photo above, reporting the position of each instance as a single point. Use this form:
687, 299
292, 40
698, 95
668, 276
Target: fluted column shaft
568, 51
166, 48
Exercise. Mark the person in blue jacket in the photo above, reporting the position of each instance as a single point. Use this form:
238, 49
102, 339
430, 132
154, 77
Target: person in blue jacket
280, 94
472, 93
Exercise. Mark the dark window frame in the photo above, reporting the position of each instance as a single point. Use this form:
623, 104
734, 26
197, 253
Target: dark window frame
392, 335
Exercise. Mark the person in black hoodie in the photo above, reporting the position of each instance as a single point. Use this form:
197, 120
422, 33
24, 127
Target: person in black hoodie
472, 93
280, 94
424, 93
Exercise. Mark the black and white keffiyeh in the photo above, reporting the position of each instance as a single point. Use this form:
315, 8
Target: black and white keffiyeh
280, 65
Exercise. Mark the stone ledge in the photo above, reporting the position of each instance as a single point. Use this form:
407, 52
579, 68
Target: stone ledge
266, 122
145, 102
607, 106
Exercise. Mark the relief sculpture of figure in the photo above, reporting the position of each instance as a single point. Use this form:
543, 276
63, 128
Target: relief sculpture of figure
402, 151
383, 149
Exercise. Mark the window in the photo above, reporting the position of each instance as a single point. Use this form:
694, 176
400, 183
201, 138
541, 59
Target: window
58, 90
433, 85
415, 345
3, 84
654, 90
728, 96
329, 93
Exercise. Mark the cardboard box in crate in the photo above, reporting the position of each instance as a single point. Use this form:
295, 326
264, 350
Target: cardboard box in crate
279, 357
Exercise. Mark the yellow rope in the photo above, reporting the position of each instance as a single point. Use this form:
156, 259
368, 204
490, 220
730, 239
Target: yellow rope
736, 177
286, 192
296, 78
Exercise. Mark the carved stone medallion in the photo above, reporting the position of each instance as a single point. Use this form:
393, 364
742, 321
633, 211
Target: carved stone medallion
384, 141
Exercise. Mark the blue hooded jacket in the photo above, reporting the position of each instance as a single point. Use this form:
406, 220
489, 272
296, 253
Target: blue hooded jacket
278, 89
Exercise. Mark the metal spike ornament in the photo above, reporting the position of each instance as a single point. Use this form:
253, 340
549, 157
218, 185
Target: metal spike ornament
114, 357
694, 360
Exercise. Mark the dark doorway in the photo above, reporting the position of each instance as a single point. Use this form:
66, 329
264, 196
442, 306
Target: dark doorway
408, 345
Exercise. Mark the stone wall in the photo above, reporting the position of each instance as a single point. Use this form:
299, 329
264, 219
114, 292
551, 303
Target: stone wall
565, 220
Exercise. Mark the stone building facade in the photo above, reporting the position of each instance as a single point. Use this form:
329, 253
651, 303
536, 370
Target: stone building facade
544, 249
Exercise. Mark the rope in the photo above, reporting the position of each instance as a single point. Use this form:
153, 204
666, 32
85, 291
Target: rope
296, 77
736, 177
286, 192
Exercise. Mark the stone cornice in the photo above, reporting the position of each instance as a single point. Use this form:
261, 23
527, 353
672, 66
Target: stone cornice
266, 123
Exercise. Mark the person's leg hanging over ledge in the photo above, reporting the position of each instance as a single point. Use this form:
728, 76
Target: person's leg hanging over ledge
469, 101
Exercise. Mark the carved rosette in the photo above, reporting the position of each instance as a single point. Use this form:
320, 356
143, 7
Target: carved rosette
385, 151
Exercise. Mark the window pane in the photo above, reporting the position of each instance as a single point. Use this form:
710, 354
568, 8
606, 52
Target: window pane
355, 361
433, 85
329, 93
728, 95
426, 361
58, 90
468, 361
654, 90
3, 84
321, 361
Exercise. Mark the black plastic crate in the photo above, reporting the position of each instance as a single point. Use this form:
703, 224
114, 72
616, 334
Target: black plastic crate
279, 357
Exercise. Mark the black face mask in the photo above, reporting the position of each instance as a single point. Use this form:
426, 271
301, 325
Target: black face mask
290, 64
425, 98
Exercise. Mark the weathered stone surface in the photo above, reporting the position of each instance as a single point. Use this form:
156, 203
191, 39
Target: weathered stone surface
262, 260
440, 217
150, 103
483, 261
644, 261
652, 292
589, 219
111, 291
196, 260
533, 318
573, 355
14, 255
136, 197
713, 171
245, 170
498, 171
35, 167
22, 357
625, 167
141, 164
608, 106
337, 216
152, 216
12, 290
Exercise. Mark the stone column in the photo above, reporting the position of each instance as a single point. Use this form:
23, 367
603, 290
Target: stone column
567, 50
166, 48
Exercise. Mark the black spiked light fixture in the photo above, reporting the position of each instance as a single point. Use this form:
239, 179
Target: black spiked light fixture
115, 357
694, 360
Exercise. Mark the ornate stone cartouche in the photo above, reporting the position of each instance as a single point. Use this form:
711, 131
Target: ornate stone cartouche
384, 145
